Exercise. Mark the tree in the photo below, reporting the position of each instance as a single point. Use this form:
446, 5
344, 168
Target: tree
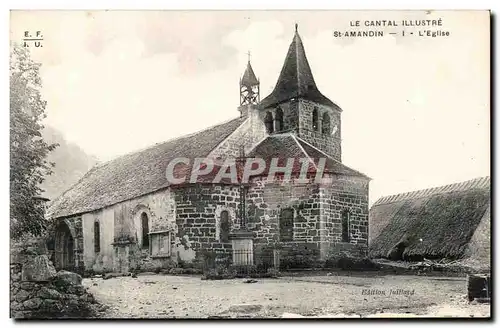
28, 150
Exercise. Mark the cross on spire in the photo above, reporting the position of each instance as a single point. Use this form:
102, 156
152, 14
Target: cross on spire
248, 54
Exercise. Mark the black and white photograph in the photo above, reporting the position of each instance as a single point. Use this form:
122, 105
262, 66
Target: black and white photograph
250, 164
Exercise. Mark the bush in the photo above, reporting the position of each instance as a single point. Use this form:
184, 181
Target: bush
273, 273
194, 264
180, 271
356, 264
219, 273
212, 259
263, 267
331, 263
299, 257
297, 262
244, 269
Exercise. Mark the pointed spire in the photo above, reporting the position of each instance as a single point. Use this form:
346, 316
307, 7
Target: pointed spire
296, 79
249, 79
249, 86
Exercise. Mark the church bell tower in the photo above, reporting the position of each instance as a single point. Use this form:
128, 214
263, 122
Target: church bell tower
249, 86
297, 106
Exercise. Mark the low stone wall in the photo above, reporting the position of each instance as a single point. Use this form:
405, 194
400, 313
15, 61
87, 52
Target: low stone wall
299, 256
37, 291
146, 263
346, 250
296, 255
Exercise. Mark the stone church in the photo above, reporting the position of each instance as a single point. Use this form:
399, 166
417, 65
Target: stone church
124, 215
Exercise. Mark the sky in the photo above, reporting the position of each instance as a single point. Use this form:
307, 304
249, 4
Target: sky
416, 111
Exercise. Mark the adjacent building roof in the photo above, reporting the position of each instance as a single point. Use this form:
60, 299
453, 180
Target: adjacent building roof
478, 253
432, 223
479, 183
136, 174
296, 79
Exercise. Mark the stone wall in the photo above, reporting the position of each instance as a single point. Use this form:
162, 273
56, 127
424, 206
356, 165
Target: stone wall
330, 144
317, 226
249, 133
298, 118
37, 291
76, 226
192, 214
231, 146
158, 206
345, 193
102, 261
121, 236
266, 199
198, 214
290, 116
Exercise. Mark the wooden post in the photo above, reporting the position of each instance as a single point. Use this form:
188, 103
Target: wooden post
276, 255
478, 287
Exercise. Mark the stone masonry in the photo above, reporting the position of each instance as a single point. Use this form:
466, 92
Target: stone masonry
198, 210
37, 291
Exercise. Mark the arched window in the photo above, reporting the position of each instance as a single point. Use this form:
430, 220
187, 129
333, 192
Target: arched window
268, 122
278, 125
225, 226
286, 225
145, 230
326, 124
315, 119
97, 237
346, 218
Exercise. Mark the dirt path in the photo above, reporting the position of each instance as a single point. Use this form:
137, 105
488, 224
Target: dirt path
162, 296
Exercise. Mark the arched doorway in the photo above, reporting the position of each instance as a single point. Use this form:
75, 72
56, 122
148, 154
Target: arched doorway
64, 258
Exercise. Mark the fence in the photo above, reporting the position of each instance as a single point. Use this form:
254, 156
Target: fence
242, 262
242, 257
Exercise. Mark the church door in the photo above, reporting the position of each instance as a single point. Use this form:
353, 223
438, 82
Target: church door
64, 248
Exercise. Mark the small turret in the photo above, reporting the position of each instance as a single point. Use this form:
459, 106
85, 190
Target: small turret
249, 86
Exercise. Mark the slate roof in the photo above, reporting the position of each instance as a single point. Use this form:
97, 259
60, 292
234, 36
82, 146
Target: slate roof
332, 165
249, 79
137, 173
432, 223
284, 146
296, 79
